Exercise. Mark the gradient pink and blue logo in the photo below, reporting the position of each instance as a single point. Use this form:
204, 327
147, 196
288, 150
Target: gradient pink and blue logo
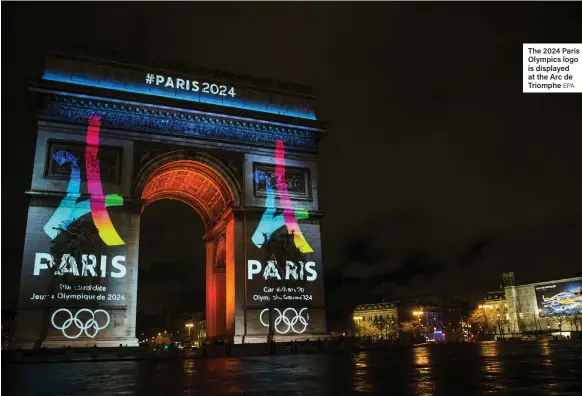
270, 222
70, 207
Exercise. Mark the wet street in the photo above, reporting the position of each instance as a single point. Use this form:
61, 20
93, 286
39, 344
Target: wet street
534, 368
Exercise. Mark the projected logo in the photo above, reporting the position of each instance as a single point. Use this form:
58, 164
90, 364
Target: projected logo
270, 222
70, 207
84, 321
287, 320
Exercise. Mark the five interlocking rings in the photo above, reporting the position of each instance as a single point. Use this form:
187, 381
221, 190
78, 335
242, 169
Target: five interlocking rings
91, 323
290, 323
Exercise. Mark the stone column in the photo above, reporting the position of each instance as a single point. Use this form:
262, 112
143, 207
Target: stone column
230, 287
210, 291
238, 275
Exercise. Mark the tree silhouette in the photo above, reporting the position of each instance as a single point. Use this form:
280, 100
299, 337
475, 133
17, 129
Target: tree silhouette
575, 319
368, 329
479, 319
559, 318
387, 327
413, 327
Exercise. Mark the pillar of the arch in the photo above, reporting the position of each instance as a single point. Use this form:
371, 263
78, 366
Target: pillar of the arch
210, 291
253, 287
224, 295
219, 286
232, 288
236, 246
33, 322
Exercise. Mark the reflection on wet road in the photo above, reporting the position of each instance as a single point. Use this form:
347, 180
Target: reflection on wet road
544, 368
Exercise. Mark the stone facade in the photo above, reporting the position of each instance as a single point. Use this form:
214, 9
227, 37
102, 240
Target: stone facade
519, 308
372, 313
156, 148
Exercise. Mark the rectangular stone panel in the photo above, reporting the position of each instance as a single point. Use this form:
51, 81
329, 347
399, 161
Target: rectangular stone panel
298, 181
110, 161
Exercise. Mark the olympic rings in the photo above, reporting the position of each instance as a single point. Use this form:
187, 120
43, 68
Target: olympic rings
89, 324
289, 323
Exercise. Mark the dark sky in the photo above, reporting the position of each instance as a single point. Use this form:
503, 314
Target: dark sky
438, 174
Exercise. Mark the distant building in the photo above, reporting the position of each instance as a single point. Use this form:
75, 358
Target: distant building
435, 315
376, 315
496, 313
552, 306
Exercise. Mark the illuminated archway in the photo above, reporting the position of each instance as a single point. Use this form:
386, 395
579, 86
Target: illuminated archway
198, 180
204, 184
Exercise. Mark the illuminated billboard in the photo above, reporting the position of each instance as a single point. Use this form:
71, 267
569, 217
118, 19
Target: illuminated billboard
560, 298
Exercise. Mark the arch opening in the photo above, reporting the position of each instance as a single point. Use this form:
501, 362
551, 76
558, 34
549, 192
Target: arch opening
211, 194
171, 261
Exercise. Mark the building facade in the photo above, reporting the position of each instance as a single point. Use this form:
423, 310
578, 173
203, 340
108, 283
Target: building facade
381, 316
555, 306
552, 306
432, 316
495, 313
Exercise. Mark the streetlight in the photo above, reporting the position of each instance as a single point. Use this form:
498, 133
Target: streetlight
189, 326
417, 314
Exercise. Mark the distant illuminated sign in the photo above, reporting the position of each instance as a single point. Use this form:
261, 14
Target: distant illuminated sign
561, 298
189, 85
118, 77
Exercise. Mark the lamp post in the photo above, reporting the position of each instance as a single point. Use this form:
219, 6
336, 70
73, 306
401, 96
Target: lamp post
417, 314
189, 326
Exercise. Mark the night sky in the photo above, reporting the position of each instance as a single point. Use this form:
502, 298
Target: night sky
438, 173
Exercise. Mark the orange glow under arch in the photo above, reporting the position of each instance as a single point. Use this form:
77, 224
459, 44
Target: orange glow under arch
192, 182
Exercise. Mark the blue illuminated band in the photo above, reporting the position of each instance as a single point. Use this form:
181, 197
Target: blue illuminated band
185, 95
